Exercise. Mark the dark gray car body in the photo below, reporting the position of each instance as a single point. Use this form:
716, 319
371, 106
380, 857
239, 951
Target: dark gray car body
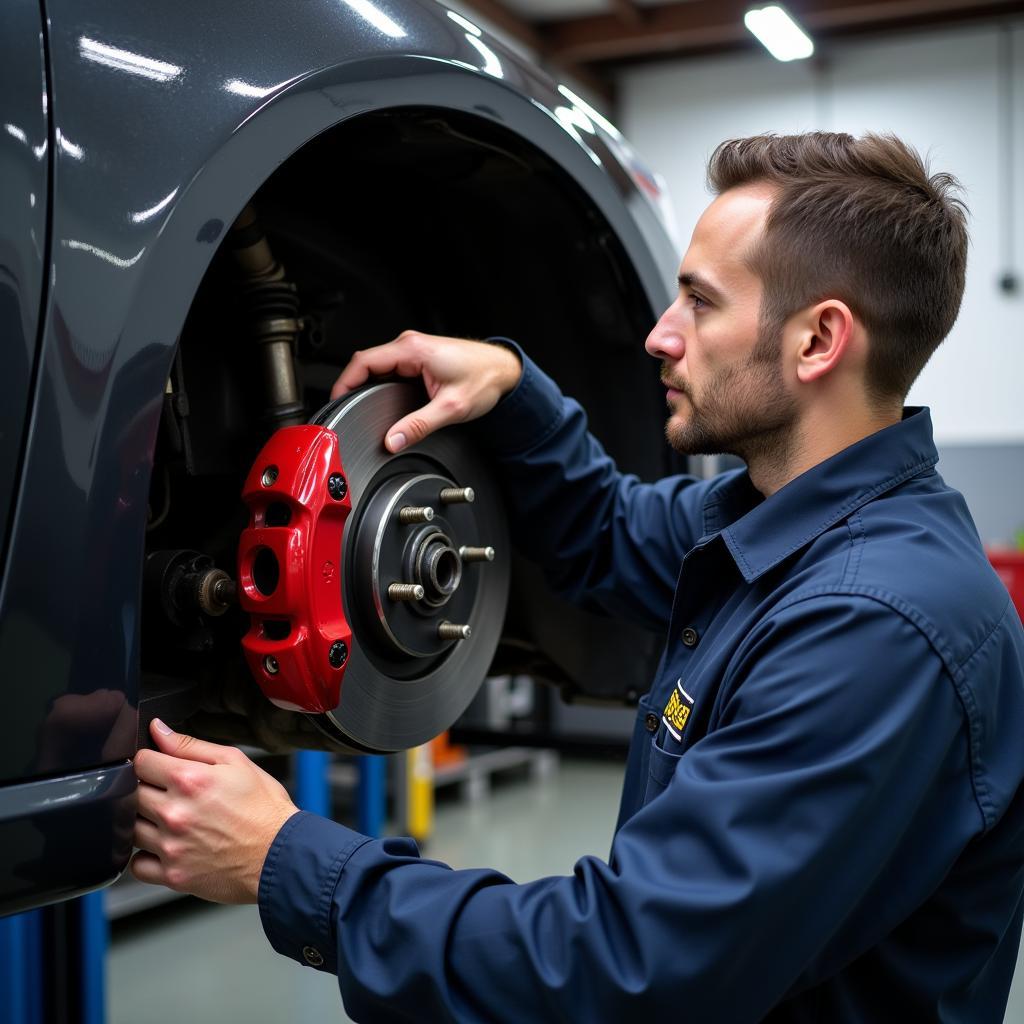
132, 136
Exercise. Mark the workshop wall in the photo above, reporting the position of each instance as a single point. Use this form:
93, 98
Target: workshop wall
941, 91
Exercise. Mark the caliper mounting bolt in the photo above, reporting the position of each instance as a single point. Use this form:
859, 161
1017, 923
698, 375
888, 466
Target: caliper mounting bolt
271, 665
337, 486
452, 631
415, 514
457, 496
476, 554
406, 592
338, 654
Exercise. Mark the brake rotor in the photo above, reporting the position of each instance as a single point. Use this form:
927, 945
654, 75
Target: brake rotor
424, 576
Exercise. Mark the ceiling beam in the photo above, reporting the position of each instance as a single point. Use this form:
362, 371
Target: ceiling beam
627, 11
715, 24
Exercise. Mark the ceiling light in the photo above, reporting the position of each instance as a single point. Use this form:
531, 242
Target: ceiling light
782, 37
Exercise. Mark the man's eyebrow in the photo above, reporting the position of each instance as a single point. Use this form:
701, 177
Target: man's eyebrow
700, 284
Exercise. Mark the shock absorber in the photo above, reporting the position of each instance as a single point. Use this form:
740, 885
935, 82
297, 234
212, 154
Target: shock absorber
272, 318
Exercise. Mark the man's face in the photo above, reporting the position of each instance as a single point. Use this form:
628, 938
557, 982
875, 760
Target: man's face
726, 387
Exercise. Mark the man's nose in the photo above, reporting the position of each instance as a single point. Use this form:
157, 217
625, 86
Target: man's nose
666, 341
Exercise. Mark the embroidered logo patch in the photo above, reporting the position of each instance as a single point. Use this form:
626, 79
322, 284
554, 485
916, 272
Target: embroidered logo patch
677, 711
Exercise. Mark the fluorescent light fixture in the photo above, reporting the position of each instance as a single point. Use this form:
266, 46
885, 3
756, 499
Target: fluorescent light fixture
782, 37
376, 17
125, 60
465, 23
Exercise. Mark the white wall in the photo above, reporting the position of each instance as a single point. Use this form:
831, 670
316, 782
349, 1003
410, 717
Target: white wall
937, 91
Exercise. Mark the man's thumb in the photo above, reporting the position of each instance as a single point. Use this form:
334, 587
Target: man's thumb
179, 745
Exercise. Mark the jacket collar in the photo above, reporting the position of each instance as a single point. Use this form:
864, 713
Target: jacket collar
760, 533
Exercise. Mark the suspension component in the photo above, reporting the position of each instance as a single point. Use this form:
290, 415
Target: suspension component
272, 317
289, 561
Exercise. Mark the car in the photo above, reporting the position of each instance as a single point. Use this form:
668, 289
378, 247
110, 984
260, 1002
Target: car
205, 209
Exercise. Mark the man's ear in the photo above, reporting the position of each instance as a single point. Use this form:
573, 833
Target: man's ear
824, 333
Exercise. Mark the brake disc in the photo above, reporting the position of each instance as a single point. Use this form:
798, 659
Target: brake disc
424, 573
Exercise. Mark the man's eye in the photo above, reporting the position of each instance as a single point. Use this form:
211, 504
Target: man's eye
698, 302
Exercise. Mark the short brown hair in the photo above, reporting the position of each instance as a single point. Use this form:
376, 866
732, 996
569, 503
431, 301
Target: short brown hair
859, 220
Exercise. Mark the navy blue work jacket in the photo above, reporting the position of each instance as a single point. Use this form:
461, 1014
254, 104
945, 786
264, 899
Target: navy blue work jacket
821, 818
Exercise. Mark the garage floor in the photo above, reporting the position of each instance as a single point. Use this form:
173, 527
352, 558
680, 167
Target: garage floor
200, 963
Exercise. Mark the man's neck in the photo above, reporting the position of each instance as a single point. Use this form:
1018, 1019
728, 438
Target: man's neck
814, 439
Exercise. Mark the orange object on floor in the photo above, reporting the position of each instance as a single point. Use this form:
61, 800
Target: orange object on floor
445, 752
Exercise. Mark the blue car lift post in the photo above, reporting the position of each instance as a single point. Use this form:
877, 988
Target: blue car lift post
52, 964
313, 791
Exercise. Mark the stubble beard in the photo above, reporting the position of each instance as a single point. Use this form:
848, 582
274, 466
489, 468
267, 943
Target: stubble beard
745, 410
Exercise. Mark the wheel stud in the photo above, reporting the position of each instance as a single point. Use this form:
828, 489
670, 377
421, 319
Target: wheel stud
457, 496
476, 554
414, 514
452, 631
405, 592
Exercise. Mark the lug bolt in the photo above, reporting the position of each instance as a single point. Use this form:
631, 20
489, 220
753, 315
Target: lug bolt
269, 477
405, 592
337, 486
452, 631
457, 496
476, 554
338, 654
414, 514
270, 665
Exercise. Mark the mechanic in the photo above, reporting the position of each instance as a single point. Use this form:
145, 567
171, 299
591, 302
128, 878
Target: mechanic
822, 817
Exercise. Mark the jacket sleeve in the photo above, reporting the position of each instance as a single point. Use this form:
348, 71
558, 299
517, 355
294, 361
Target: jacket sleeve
605, 541
756, 846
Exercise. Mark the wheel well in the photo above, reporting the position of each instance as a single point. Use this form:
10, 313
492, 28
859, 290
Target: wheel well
411, 218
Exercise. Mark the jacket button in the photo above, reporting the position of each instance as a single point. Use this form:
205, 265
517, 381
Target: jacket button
690, 637
651, 722
313, 956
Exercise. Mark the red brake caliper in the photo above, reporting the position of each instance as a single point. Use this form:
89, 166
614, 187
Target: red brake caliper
289, 569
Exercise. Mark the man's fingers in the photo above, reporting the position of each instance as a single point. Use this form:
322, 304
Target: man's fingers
402, 356
443, 410
146, 836
179, 745
146, 867
153, 799
353, 376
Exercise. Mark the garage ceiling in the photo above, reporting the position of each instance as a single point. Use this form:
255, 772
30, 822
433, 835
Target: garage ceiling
587, 38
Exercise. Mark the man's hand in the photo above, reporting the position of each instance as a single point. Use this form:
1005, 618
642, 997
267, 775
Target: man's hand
207, 817
464, 380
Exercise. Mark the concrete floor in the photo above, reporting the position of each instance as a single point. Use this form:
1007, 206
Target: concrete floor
198, 963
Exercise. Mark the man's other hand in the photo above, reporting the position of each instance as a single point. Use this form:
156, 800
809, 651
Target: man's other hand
207, 817
464, 380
